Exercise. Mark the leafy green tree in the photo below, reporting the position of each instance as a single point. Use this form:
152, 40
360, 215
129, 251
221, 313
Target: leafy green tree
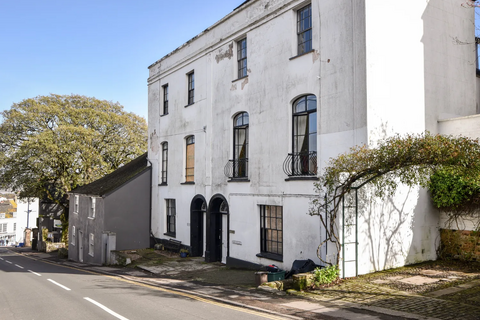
49, 145
409, 160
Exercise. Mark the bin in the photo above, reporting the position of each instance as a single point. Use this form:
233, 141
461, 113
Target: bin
276, 276
261, 277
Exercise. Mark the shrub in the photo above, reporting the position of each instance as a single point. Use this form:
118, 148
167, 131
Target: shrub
326, 275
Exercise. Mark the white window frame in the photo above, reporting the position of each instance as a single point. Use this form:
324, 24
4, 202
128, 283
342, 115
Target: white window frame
91, 244
74, 237
75, 205
91, 210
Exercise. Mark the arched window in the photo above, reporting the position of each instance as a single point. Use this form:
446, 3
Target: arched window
190, 159
240, 145
164, 162
304, 149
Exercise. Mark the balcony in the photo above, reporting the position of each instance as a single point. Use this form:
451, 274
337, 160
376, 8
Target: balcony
237, 169
301, 164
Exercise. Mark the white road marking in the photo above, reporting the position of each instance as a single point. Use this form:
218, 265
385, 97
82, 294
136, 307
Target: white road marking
37, 274
8, 261
18, 266
1, 258
58, 284
105, 308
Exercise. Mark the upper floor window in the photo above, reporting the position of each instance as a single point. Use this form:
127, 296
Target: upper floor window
242, 57
91, 211
164, 162
75, 206
305, 133
190, 159
304, 29
303, 159
165, 99
240, 145
191, 87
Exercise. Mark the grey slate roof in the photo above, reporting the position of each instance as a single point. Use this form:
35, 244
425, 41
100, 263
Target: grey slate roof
115, 179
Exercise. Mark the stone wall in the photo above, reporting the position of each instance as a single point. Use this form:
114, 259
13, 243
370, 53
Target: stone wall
459, 244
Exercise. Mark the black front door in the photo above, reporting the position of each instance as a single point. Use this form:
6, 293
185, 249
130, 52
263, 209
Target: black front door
197, 210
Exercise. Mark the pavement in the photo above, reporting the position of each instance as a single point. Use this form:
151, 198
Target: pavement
387, 296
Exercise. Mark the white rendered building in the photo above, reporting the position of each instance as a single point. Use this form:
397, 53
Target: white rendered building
15, 216
243, 117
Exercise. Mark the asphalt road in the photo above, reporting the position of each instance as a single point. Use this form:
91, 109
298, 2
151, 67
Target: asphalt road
31, 289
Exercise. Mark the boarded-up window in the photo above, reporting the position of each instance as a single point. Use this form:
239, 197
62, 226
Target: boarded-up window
190, 160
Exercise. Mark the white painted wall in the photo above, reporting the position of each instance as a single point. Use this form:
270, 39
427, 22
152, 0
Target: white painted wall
22, 207
377, 69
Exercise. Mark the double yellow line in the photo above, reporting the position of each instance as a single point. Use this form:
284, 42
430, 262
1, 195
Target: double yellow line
175, 292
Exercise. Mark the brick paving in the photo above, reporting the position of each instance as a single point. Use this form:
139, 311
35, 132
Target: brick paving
372, 295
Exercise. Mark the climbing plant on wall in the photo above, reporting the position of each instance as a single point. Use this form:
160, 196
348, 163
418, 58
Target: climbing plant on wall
409, 160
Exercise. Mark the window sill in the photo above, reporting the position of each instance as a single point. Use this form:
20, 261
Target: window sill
300, 55
163, 115
238, 79
271, 256
188, 182
190, 104
169, 234
163, 184
300, 178
238, 180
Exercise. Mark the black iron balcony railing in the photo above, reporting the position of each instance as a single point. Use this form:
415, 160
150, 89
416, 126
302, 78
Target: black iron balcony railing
236, 168
300, 164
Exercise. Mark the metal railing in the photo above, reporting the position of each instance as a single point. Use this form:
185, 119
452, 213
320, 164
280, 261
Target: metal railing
300, 164
236, 168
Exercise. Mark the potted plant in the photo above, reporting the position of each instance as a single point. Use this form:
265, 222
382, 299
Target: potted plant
183, 253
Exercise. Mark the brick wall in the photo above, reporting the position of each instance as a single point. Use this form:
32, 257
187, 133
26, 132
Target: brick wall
459, 244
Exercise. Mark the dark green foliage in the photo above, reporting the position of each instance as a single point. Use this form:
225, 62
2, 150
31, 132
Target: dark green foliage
451, 187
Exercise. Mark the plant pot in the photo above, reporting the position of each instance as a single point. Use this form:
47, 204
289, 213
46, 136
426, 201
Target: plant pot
183, 254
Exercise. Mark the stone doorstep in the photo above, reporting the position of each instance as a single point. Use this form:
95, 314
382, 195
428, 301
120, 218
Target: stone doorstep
429, 272
419, 280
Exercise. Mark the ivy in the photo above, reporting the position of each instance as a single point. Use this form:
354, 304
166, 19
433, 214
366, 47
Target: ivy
451, 188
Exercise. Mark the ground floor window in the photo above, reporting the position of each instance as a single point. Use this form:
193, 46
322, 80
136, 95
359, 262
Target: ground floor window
90, 244
271, 231
74, 236
171, 215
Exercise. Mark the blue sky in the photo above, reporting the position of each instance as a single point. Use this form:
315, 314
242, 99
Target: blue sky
96, 48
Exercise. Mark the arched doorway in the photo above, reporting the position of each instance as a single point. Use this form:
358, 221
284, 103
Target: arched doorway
217, 230
197, 209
